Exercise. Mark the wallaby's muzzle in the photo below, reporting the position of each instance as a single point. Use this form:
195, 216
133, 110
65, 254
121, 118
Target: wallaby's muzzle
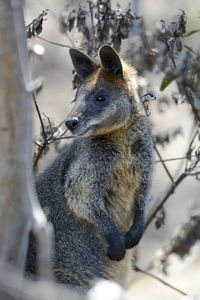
72, 124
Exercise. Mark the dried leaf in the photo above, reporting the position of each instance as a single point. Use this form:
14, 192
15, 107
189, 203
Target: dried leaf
36, 25
71, 19
187, 236
160, 220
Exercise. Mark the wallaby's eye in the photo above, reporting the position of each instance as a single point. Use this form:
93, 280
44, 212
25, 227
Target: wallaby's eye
100, 98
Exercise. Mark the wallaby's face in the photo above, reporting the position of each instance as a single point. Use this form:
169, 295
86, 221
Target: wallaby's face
103, 102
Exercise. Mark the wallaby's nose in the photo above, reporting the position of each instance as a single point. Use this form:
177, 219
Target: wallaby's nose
72, 124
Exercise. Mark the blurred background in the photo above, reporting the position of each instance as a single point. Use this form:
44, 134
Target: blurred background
51, 65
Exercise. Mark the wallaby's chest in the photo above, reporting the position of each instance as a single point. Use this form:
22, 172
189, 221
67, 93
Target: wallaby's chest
122, 187
112, 178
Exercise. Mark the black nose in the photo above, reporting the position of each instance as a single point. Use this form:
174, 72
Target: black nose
71, 124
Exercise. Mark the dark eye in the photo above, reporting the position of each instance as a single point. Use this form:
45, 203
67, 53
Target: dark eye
100, 98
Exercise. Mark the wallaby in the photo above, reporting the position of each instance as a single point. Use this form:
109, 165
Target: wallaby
97, 189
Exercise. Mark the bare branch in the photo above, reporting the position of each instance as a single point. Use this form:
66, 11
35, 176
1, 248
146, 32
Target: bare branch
191, 100
39, 115
163, 163
54, 43
173, 159
137, 269
190, 145
165, 198
189, 171
51, 135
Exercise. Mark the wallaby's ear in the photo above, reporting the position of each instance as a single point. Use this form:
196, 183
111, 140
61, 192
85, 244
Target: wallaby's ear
83, 64
110, 61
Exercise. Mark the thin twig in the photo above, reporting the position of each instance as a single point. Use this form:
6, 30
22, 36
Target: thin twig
195, 134
137, 269
40, 117
192, 173
53, 43
162, 202
174, 184
195, 111
173, 159
37, 144
39, 154
48, 140
65, 131
191, 143
48, 119
163, 163
46, 143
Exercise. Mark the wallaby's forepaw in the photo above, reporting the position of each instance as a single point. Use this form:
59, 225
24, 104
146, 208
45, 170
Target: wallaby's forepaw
132, 237
116, 249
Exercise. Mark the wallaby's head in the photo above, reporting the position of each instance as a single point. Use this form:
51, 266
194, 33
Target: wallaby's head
107, 97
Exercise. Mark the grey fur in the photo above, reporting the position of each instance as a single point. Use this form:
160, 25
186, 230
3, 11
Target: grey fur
84, 189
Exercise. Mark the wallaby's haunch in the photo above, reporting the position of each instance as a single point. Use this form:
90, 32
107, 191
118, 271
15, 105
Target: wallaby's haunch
96, 191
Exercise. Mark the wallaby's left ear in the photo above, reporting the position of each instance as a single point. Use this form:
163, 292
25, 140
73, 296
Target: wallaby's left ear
83, 64
111, 61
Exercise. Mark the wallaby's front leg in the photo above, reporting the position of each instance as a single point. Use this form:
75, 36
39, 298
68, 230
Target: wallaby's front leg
95, 213
116, 244
133, 236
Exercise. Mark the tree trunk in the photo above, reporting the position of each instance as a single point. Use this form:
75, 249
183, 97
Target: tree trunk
19, 209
